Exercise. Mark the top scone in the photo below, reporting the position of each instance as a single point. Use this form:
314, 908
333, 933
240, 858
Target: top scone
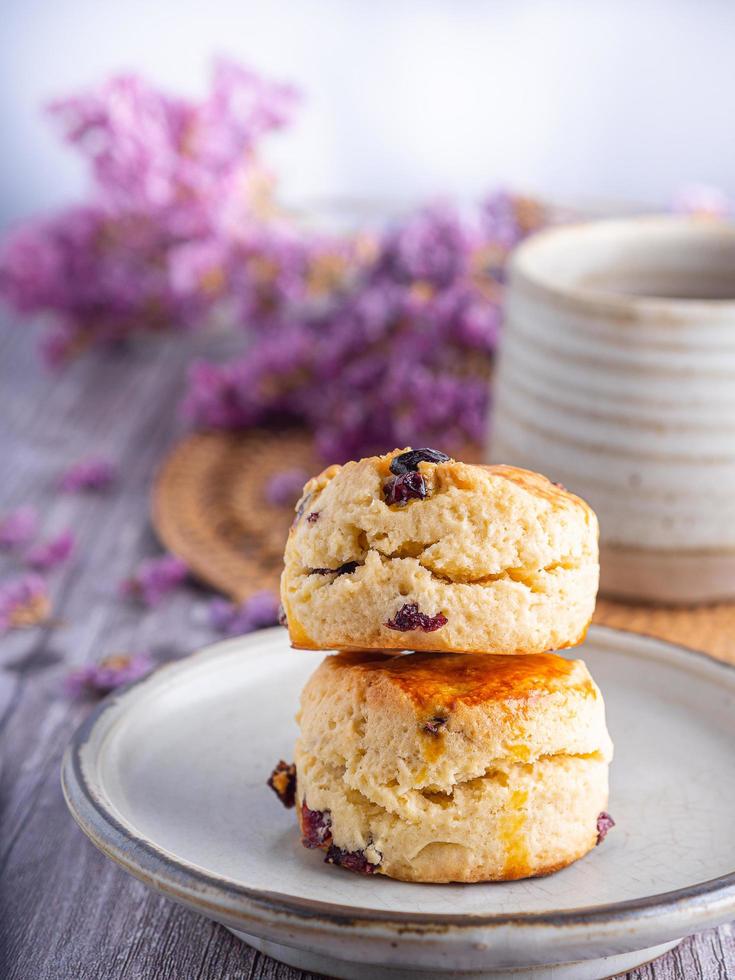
413, 550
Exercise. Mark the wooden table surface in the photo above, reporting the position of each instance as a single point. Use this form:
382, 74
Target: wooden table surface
66, 912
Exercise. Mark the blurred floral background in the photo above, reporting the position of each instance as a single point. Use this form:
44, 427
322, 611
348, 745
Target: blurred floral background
182, 229
338, 253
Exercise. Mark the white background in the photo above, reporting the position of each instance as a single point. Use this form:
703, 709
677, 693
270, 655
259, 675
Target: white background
406, 99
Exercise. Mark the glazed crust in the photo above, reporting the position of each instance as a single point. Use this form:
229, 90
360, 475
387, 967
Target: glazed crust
443, 767
501, 558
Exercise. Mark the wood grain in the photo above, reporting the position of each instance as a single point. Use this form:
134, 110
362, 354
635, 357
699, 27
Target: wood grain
710, 628
67, 913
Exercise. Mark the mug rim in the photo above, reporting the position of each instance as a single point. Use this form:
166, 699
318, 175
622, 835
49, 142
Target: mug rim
524, 270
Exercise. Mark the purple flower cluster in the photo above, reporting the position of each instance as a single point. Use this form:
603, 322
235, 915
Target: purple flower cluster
18, 528
24, 601
369, 341
154, 579
48, 554
107, 675
400, 355
93, 473
258, 611
177, 185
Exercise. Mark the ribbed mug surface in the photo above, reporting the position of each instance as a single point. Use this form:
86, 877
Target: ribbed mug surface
616, 377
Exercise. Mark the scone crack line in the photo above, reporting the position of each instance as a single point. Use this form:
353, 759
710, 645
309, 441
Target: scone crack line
500, 769
410, 806
522, 575
525, 576
346, 568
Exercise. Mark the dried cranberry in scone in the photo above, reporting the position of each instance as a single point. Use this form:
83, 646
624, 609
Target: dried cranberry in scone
410, 460
409, 618
407, 486
315, 827
352, 860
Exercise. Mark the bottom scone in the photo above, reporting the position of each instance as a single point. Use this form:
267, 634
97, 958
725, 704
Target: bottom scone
448, 767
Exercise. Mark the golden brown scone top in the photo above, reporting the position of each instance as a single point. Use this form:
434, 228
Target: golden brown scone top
449, 679
454, 473
536, 483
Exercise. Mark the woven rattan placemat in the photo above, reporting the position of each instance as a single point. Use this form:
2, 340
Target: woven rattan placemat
210, 508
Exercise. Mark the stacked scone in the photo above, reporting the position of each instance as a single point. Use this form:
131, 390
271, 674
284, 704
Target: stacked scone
479, 756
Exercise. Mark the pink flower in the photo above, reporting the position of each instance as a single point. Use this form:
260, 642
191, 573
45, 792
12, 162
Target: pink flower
169, 156
154, 579
176, 180
258, 611
431, 246
104, 278
49, 554
108, 674
94, 473
18, 527
24, 602
200, 268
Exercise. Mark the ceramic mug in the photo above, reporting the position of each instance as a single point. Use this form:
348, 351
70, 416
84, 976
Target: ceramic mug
616, 377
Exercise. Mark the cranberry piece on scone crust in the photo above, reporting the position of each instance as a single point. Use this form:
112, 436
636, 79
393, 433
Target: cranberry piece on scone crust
283, 783
409, 461
605, 823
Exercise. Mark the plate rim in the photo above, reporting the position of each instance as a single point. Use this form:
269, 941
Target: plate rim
194, 886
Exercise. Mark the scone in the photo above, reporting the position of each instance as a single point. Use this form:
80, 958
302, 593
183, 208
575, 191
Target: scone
442, 767
413, 550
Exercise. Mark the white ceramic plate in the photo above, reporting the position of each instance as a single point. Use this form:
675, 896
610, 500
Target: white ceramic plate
168, 778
